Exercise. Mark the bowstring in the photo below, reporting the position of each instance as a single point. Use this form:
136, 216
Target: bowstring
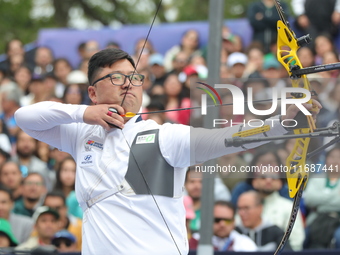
131, 153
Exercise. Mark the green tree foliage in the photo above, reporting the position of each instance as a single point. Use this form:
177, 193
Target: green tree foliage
19, 20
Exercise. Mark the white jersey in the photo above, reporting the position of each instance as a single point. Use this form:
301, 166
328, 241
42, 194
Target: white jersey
116, 220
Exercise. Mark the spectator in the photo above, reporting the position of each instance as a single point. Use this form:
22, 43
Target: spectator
79, 77
10, 102
322, 199
15, 62
113, 45
237, 62
189, 213
64, 241
254, 65
266, 235
7, 238
225, 238
61, 69
180, 61
189, 44
276, 208
26, 149
22, 77
323, 44
265, 156
13, 47
143, 50
33, 192
22, 226
158, 74
263, 18
43, 61
66, 176
37, 91
11, 177
91, 47
231, 179
315, 17
73, 94
193, 186
306, 56
56, 201
175, 98
46, 225
156, 104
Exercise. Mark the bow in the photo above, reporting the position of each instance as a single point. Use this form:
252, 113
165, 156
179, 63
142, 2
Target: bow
297, 174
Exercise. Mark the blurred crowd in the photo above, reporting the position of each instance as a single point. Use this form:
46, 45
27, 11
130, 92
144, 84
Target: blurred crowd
38, 205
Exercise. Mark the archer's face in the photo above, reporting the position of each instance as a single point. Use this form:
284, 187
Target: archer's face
104, 92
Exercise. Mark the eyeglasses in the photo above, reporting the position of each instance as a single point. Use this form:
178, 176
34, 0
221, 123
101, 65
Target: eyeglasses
246, 208
119, 79
28, 183
226, 221
57, 242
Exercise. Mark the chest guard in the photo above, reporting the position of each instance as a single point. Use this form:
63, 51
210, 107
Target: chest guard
147, 165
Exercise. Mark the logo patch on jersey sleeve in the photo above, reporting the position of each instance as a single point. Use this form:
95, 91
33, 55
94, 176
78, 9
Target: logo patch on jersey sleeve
94, 144
145, 139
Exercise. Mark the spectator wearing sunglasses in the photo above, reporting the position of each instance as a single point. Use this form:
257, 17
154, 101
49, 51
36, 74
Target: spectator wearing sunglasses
225, 238
65, 241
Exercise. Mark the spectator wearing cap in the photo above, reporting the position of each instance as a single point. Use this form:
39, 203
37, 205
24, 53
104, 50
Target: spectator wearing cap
65, 241
10, 102
272, 71
158, 74
7, 238
237, 62
21, 226
79, 78
56, 200
46, 225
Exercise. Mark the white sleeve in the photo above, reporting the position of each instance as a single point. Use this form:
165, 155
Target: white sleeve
298, 7
208, 144
183, 146
43, 120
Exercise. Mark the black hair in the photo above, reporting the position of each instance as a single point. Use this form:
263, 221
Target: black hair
226, 204
7, 190
261, 151
59, 185
106, 58
56, 193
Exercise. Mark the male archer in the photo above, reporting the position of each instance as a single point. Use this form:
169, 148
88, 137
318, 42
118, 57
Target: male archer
130, 172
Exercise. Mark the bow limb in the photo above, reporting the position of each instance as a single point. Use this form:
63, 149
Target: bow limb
288, 46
